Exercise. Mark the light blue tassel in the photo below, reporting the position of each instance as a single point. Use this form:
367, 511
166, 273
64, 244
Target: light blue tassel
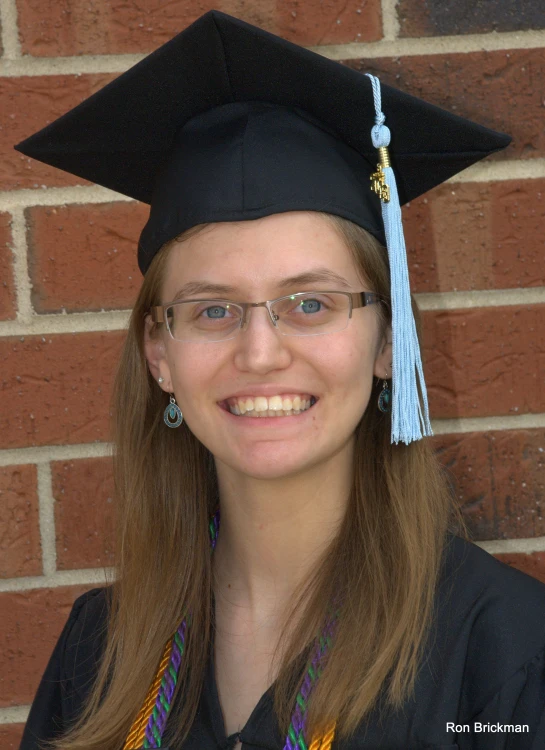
410, 419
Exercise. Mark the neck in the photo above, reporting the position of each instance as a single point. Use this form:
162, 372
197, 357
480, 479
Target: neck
272, 533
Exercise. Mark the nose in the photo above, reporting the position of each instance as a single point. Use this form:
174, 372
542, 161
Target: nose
259, 344
258, 317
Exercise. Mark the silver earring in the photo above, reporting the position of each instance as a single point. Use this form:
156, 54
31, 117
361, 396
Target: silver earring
160, 380
173, 414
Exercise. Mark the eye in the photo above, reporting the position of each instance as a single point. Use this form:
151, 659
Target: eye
214, 312
311, 305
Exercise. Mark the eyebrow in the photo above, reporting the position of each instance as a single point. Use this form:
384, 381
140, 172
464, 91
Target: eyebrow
319, 274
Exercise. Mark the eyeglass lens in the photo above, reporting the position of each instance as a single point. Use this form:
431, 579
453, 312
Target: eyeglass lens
217, 320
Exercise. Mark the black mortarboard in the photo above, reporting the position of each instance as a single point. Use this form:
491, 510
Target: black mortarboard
227, 122
204, 129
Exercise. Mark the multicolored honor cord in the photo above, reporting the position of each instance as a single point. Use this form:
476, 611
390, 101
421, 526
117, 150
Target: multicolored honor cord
148, 727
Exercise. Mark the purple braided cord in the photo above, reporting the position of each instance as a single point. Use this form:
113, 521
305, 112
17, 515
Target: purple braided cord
158, 718
299, 716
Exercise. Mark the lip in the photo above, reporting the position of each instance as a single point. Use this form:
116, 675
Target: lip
254, 422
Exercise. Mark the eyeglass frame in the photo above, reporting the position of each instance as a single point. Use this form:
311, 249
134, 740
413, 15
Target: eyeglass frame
356, 300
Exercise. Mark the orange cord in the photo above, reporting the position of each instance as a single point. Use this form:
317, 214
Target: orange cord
135, 738
324, 743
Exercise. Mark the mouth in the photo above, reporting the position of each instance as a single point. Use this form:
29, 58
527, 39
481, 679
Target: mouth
268, 416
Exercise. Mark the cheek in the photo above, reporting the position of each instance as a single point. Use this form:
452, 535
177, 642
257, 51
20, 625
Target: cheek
191, 370
350, 361
180, 373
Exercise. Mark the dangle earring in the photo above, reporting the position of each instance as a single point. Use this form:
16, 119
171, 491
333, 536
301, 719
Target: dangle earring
173, 414
385, 398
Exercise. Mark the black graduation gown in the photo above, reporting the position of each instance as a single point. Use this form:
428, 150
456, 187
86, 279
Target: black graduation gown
481, 686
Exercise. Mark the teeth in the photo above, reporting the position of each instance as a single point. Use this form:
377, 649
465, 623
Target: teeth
278, 407
261, 403
273, 403
248, 405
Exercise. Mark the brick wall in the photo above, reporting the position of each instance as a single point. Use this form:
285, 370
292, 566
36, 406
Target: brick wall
476, 257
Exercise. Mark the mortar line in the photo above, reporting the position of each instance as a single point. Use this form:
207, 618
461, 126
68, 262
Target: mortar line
390, 21
75, 65
474, 299
492, 41
10, 32
117, 320
59, 323
46, 454
488, 424
501, 171
81, 577
487, 171
104, 576
20, 267
14, 714
399, 47
513, 546
55, 196
47, 518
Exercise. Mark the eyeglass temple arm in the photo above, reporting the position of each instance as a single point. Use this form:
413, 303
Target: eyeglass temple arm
157, 314
367, 298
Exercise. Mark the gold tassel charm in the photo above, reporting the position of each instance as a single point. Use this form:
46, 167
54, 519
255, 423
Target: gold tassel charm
378, 178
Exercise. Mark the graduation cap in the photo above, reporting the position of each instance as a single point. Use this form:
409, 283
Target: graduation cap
228, 122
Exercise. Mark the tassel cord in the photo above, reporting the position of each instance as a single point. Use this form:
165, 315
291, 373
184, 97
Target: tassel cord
410, 413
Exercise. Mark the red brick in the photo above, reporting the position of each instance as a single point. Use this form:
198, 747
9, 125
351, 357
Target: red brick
83, 492
28, 104
496, 89
30, 625
7, 290
533, 564
102, 238
477, 236
57, 388
314, 22
485, 361
437, 18
20, 548
10, 736
499, 480
465, 236
48, 28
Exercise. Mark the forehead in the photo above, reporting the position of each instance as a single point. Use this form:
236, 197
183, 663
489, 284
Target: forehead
261, 253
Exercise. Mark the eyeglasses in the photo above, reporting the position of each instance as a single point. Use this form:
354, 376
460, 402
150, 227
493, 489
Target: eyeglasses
301, 314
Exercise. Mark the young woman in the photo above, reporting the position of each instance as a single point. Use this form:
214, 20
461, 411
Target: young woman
292, 569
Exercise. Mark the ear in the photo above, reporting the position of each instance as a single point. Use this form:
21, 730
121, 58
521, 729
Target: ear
155, 351
383, 360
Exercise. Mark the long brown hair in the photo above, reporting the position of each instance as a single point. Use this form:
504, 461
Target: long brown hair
384, 561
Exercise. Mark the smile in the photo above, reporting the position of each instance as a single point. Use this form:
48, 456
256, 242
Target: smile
260, 407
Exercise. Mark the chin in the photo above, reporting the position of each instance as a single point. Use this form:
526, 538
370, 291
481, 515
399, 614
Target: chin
270, 467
